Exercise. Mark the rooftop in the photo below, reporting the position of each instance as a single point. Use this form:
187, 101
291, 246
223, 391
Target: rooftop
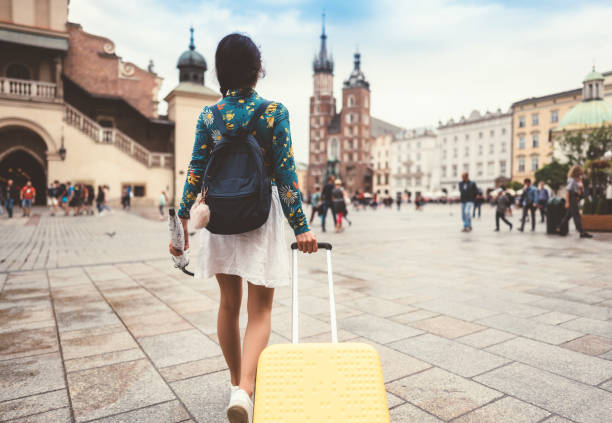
474, 117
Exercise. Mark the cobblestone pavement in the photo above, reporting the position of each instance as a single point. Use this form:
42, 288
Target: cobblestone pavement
482, 327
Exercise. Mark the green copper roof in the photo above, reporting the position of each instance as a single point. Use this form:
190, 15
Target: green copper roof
593, 76
587, 114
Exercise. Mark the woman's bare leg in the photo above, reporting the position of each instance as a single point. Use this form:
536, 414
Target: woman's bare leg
259, 307
228, 329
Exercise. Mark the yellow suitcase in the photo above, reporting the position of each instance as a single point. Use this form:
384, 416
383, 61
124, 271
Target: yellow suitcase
318, 382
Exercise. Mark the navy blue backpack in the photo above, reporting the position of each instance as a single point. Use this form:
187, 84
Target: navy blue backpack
236, 186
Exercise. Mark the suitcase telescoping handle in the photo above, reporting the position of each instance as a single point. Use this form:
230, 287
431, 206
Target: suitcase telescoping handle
332, 302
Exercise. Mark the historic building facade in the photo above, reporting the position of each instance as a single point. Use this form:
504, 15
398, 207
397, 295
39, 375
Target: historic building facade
415, 162
533, 122
480, 145
72, 109
340, 142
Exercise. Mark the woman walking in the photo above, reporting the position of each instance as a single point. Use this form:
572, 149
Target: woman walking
572, 198
261, 256
339, 204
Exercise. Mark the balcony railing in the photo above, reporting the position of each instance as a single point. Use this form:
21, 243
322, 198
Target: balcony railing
27, 89
113, 136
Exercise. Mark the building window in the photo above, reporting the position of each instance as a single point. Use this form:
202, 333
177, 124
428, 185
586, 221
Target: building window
378, 179
386, 179
491, 148
534, 163
490, 168
444, 171
535, 140
454, 153
480, 135
418, 155
467, 137
502, 167
444, 140
492, 133
479, 169
466, 167
480, 149
521, 121
535, 119
503, 131
351, 101
467, 151
455, 139
521, 164
444, 154
18, 71
503, 147
521, 142
454, 170
554, 116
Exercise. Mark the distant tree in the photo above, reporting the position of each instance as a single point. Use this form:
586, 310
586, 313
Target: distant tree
582, 146
553, 174
515, 185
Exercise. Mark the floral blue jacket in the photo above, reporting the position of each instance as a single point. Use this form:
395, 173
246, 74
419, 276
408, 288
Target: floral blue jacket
272, 130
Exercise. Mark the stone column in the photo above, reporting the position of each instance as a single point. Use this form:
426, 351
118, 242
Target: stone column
59, 92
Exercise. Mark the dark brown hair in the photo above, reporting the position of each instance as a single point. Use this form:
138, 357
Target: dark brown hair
237, 62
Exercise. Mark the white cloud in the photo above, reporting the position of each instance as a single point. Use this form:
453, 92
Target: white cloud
426, 61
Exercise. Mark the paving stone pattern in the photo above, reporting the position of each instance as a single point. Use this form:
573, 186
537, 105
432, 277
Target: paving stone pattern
96, 325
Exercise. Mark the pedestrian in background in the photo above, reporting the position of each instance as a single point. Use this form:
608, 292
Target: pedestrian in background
339, 204
502, 204
27, 196
529, 201
52, 194
543, 198
10, 195
468, 191
398, 200
163, 198
478, 203
326, 194
315, 200
574, 190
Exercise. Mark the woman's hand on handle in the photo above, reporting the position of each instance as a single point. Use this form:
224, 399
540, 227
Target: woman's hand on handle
174, 251
307, 242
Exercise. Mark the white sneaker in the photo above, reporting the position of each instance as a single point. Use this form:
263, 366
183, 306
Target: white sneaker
240, 408
233, 388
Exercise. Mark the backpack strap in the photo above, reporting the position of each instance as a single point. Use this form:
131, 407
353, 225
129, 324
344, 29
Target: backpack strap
218, 119
260, 110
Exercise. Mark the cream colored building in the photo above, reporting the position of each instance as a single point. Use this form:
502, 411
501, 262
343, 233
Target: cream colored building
533, 122
414, 164
479, 145
71, 109
381, 163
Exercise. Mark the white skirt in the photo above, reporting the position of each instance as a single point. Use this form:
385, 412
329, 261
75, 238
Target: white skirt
260, 256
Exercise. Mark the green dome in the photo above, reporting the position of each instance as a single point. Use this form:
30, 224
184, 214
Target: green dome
191, 58
587, 114
593, 76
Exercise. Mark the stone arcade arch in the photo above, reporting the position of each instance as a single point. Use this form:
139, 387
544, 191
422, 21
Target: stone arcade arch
23, 156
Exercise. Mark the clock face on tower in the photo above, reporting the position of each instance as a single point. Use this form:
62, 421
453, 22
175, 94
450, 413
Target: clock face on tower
333, 149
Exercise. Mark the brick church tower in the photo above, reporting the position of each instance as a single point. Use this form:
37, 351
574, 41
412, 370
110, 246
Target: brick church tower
322, 111
355, 131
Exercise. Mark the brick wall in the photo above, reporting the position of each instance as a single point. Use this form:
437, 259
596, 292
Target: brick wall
91, 62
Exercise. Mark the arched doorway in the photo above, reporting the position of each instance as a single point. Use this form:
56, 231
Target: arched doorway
23, 158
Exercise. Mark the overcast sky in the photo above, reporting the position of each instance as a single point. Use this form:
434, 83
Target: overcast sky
426, 61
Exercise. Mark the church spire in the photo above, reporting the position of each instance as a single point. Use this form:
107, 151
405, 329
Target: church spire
191, 43
322, 63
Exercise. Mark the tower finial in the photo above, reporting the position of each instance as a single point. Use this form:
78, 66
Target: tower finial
191, 43
323, 22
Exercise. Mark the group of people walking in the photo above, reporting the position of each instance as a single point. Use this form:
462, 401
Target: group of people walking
10, 195
530, 201
331, 198
78, 198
